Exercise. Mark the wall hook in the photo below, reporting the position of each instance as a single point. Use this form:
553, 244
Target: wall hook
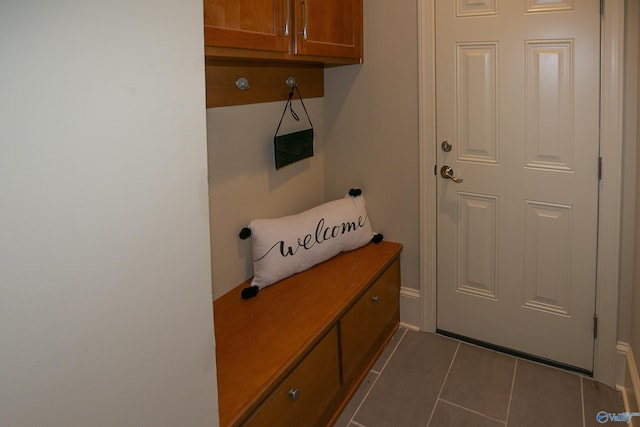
242, 83
291, 82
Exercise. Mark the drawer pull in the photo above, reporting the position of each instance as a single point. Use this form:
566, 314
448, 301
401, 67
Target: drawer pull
294, 394
375, 299
306, 19
286, 25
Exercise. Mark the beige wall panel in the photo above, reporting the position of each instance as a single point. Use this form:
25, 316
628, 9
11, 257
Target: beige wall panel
244, 184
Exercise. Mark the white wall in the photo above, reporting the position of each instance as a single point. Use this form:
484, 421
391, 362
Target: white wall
635, 293
105, 296
629, 298
629, 190
371, 130
244, 184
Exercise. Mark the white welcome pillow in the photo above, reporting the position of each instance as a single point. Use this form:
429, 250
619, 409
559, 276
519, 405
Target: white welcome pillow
291, 244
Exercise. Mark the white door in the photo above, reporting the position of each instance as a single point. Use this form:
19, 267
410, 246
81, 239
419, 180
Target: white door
518, 107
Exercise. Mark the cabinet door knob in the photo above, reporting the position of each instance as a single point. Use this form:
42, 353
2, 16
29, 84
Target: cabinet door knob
294, 393
375, 298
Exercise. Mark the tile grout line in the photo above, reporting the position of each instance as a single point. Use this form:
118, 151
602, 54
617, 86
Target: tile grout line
376, 380
584, 422
433, 410
384, 365
513, 383
471, 410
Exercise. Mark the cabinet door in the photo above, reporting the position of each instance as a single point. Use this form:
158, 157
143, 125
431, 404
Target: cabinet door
247, 24
331, 28
306, 392
369, 317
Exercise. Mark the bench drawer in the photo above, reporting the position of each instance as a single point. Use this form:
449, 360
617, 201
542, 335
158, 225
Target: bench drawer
305, 393
361, 327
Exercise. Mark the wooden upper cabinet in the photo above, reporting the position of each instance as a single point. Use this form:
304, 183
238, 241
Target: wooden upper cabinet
327, 31
330, 28
246, 24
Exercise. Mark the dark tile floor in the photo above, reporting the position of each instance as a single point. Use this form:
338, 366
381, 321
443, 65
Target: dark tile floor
423, 379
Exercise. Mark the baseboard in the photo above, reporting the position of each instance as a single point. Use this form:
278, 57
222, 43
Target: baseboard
410, 308
630, 386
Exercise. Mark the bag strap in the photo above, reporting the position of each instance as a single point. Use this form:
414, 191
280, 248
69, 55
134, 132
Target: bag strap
293, 113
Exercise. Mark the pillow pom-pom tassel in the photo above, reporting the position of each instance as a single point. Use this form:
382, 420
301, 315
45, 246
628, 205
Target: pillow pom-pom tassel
245, 233
377, 238
250, 292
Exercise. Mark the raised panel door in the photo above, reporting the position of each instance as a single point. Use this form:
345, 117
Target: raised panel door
518, 104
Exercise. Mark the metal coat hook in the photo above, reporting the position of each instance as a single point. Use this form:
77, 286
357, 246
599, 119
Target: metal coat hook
242, 83
291, 82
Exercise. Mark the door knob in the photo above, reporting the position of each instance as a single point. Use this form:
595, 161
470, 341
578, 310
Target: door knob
447, 173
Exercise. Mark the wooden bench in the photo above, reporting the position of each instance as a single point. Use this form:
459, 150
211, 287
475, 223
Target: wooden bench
296, 353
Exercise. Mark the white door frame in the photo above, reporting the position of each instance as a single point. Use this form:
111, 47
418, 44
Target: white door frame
611, 126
